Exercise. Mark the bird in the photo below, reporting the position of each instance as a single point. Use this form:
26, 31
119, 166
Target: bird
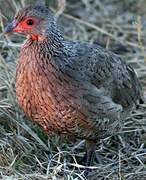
67, 87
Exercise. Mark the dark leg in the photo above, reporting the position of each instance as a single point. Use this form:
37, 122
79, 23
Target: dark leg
90, 151
87, 160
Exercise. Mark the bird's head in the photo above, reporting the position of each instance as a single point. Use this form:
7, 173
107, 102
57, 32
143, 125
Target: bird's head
35, 21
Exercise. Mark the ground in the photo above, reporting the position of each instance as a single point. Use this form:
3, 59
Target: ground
25, 152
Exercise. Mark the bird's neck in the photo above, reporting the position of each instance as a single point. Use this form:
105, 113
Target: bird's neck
51, 40
41, 51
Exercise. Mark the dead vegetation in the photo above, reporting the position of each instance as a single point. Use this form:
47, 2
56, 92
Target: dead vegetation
25, 152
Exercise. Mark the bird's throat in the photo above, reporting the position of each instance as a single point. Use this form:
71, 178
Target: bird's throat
36, 37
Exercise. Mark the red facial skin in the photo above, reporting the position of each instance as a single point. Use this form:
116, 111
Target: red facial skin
23, 26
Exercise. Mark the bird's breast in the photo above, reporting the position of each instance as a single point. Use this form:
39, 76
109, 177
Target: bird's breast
47, 97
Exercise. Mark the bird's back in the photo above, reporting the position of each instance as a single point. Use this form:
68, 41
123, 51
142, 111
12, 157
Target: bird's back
105, 70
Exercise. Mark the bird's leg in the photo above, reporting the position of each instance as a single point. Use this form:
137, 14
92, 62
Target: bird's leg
87, 160
90, 151
89, 155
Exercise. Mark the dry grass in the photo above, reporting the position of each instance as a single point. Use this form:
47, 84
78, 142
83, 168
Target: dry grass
25, 152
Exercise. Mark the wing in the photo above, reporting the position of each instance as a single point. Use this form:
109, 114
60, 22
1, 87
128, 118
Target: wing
118, 78
104, 71
128, 89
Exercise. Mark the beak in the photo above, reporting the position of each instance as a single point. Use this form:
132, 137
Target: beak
11, 27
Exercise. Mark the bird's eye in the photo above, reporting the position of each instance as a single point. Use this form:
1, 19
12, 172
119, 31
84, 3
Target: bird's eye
30, 22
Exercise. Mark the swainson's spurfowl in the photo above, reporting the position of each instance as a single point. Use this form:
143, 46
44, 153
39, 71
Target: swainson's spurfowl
67, 87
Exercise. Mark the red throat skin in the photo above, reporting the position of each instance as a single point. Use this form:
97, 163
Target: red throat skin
35, 37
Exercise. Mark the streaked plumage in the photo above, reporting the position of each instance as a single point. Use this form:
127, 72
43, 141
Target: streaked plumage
71, 87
